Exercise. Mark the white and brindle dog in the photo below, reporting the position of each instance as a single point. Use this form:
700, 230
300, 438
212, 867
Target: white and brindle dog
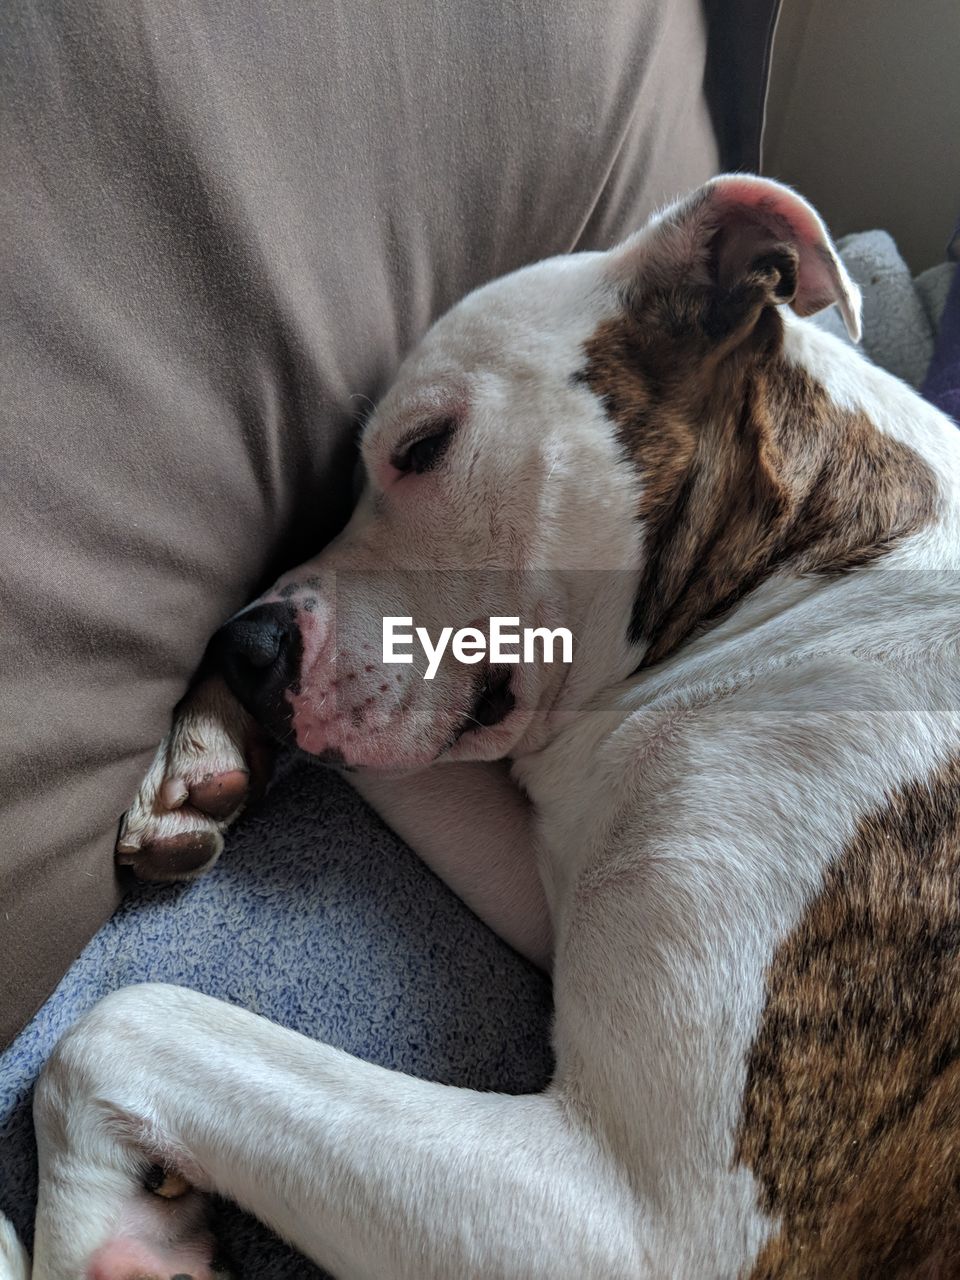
732, 821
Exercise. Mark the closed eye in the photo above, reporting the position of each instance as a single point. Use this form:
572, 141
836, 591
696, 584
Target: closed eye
425, 453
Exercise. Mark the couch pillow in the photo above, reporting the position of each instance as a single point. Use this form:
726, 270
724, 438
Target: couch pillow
222, 223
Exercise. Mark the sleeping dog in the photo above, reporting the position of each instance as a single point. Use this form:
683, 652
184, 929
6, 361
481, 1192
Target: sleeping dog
731, 823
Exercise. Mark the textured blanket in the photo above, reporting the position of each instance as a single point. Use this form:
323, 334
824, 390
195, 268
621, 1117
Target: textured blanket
320, 919
942, 384
901, 315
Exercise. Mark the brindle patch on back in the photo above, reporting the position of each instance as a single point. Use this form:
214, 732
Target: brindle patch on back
851, 1115
747, 467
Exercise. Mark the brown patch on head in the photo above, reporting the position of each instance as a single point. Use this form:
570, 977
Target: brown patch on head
851, 1115
747, 467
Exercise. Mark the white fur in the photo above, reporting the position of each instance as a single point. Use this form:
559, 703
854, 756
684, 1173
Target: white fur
14, 1262
682, 820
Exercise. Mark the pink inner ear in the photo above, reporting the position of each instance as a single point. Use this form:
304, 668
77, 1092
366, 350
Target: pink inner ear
821, 278
772, 199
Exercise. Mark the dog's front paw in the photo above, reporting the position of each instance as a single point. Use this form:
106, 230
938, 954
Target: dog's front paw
204, 772
136, 1236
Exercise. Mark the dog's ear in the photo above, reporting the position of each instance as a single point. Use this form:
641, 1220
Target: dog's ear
748, 242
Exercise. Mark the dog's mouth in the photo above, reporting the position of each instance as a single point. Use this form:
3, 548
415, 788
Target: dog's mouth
493, 702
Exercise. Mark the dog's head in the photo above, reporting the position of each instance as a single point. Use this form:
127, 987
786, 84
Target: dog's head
547, 439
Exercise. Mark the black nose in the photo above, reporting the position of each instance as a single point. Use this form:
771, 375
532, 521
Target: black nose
258, 653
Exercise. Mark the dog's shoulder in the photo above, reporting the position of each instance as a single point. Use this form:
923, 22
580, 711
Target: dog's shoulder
801, 832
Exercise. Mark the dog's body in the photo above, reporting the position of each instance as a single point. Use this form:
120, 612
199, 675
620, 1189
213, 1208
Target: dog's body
745, 807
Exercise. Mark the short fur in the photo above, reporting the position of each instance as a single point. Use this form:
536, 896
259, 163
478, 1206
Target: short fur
747, 469
731, 824
863, 1006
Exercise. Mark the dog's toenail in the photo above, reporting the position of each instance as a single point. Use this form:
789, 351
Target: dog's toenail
168, 857
173, 793
165, 1183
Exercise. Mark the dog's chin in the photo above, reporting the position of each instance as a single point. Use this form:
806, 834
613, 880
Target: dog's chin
483, 728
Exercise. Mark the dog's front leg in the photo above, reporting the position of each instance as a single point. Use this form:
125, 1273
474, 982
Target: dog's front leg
369, 1172
472, 825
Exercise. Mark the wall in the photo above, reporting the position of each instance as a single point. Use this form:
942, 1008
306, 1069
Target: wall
863, 116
